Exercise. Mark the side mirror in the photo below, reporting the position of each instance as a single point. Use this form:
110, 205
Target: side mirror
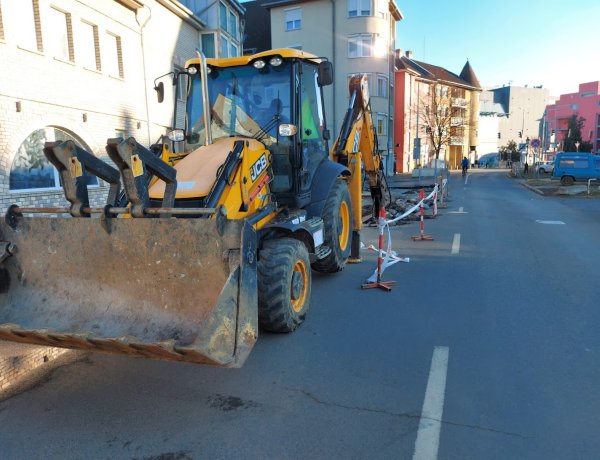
325, 76
160, 92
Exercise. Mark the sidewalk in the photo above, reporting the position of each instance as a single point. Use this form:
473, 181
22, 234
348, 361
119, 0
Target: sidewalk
23, 365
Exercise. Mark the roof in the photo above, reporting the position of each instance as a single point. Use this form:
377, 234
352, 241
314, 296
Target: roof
467, 74
467, 78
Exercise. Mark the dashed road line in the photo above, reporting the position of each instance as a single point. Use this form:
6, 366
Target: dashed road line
456, 244
430, 424
460, 211
550, 222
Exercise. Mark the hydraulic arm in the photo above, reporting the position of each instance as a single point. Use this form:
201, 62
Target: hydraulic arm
357, 148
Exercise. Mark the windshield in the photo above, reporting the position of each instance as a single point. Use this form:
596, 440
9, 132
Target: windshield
244, 102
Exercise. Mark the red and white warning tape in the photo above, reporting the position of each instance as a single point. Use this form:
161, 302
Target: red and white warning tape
389, 257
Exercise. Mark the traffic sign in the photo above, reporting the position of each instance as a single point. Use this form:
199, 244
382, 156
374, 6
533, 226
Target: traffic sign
535, 143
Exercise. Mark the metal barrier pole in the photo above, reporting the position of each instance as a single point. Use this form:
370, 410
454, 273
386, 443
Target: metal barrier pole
422, 236
384, 285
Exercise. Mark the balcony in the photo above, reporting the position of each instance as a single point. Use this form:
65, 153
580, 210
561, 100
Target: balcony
459, 102
457, 140
458, 121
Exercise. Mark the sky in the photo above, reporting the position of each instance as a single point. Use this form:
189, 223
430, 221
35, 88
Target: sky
508, 42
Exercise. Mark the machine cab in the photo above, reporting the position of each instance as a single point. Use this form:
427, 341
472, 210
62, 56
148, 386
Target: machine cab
275, 98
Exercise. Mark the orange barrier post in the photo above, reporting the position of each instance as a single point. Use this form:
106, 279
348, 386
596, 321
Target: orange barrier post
385, 285
422, 236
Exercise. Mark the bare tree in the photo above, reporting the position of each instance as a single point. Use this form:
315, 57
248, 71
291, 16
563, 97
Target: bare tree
442, 116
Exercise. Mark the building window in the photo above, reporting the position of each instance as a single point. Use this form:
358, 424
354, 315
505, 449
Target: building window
60, 35
113, 56
360, 45
208, 45
29, 27
224, 47
233, 28
223, 16
382, 86
381, 124
31, 170
89, 46
293, 19
233, 51
573, 106
359, 8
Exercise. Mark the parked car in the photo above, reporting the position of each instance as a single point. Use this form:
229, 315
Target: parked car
546, 167
576, 166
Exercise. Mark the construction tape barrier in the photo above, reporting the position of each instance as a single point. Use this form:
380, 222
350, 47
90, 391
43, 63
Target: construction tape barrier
390, 256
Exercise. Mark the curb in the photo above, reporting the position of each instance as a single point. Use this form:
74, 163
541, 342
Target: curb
533, 189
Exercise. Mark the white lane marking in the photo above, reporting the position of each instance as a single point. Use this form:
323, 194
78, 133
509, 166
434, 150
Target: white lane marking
456, 244
460, 211
430, 424
550, 222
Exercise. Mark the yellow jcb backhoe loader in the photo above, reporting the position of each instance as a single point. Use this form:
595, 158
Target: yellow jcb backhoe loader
205, 238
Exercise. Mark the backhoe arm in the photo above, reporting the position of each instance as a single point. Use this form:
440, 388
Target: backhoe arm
357, 148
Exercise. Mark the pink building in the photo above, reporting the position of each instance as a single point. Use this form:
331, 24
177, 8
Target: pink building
585, 103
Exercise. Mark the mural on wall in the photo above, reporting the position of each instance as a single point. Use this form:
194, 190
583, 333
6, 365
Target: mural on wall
31, 170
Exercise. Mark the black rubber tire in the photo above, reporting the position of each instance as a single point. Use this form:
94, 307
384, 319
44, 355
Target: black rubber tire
337, 230
567, 180
284, 284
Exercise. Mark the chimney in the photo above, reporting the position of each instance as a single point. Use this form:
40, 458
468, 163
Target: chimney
409, 54
398, 53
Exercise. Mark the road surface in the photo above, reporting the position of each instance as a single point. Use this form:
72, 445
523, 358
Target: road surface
487, 347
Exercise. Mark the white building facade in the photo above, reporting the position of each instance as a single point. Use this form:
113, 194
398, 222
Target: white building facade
83, 70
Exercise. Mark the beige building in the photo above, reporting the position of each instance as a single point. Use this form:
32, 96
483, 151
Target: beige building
358, 36
85, 70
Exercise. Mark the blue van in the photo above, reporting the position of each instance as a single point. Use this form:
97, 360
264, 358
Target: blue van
576, 166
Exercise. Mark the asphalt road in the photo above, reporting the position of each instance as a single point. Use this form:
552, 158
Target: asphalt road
487, 348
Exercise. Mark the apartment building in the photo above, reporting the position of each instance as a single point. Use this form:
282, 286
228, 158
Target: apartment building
358, 36
83, 70
222, 36
431, 99
523, 107
490, 118
584, 103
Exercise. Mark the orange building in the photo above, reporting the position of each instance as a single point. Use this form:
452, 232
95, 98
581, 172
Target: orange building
436, 114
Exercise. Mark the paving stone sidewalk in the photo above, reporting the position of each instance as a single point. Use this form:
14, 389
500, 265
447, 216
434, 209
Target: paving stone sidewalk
23, 365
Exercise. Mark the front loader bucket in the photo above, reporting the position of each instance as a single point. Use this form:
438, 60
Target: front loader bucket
176, 289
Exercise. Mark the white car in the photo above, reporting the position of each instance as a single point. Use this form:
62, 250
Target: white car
546, 167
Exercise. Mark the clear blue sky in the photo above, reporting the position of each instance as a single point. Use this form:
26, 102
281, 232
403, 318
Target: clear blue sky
551, 43
520, 42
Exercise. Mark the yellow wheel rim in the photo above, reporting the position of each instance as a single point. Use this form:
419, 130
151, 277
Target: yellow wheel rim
344, 236
299, 288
